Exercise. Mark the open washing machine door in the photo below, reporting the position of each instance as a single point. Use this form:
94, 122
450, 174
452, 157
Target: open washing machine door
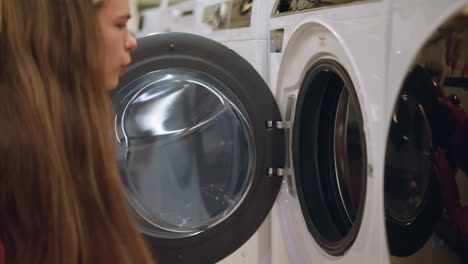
199, 149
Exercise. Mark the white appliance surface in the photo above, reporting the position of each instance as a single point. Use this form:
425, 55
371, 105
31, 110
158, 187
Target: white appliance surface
355, 36
376, 43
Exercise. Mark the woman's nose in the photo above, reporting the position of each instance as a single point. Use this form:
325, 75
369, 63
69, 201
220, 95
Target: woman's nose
130, 43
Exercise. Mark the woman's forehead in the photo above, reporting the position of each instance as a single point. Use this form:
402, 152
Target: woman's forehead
116, 8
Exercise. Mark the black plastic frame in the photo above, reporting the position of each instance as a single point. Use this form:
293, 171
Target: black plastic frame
325, 224
176, 50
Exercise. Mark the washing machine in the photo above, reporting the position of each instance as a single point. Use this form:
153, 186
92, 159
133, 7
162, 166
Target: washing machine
150, 21
328, 64
425, 180
238, 26
208, 144
169, 16
242, 28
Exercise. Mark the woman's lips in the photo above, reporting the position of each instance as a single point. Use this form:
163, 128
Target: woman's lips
124, 68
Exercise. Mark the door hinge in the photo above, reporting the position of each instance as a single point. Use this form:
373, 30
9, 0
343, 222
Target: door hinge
278, 171
278, 124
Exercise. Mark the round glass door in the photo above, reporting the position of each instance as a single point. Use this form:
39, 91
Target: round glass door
409, 160
186, 150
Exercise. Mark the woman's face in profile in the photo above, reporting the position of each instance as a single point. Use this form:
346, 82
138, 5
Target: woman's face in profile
117, 40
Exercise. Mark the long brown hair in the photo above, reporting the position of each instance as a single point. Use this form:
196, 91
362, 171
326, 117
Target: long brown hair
61, 200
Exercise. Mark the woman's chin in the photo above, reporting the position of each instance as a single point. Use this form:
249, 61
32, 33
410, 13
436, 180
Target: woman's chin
111, 85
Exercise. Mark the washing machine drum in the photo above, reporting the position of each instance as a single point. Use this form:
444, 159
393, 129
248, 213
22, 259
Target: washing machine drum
412, 198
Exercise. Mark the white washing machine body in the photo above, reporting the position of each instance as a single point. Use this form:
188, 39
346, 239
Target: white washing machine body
354, 35
427, 60
150, 21
170, 16
241, 26
180, 17
412, 25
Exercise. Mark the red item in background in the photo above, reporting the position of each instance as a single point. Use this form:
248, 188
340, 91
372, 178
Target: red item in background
2, 253
453, 54
459, 127
447, 184
460, 145
451, 197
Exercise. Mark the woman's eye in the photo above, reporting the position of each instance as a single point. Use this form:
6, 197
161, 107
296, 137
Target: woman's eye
121, 26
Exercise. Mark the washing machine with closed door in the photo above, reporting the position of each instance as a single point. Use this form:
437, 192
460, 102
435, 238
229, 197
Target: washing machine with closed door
425, 171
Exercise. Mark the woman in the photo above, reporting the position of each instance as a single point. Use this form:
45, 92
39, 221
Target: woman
117, 42
60, 199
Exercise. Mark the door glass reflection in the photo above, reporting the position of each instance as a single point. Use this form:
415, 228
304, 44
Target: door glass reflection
185, 151
349, 153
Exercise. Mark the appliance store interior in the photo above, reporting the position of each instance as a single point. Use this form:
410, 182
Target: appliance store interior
297, 131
